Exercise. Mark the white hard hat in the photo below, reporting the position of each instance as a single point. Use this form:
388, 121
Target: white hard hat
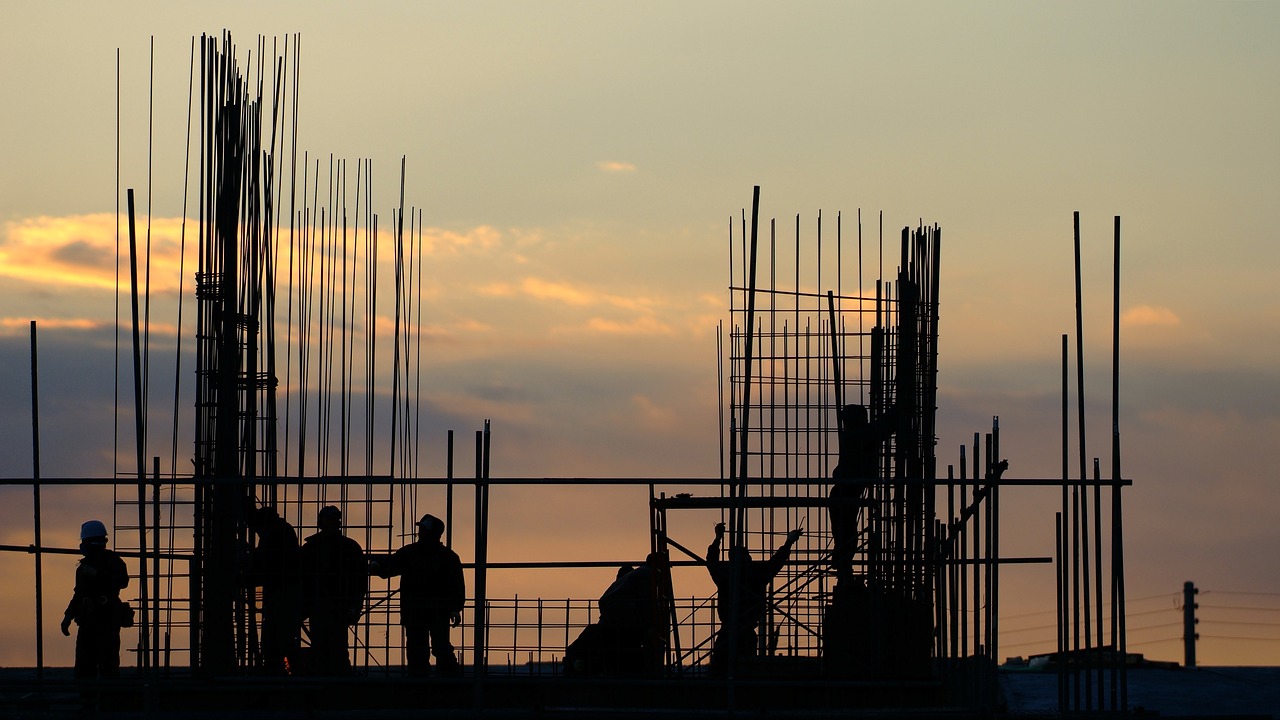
93, 530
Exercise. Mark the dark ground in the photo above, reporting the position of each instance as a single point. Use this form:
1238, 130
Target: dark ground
1215, 692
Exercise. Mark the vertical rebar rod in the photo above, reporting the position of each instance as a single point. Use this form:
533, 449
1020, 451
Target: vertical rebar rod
139, 441
1064, 515
1118, 634
1099, 663
994, 599
1079, 532
962, 542
979, 567
115, 354
35, 490
479, 651
720, 429
749, 325
155, 559
1060, 588
988, 580
399, 265
146, 308
448, 491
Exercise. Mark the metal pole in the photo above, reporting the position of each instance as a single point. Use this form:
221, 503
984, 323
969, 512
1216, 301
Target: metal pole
35, 487
1189, 634
140, 441
750, 329
963, 542
481, 550
448, 494
1075, 489
1064, 612
1059, 580
994, 599
1118, 635
155, 559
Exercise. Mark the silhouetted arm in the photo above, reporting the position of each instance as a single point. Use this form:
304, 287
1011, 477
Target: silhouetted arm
783, 553
386, 566
713, 550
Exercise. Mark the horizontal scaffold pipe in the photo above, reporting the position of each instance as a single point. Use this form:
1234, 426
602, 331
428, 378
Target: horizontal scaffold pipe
395, 481
31, 550
705, 503
548, 564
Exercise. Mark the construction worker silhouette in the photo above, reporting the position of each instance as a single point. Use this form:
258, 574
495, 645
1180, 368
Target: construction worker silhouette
96, 606
630, 636
274, 563
432, 594
742, 586
334, 583
857, 470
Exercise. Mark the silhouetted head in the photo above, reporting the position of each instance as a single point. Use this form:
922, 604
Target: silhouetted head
430, 527
262, 517
329, 518
623, 571
93, 534
658, 561
737, 553
855, 416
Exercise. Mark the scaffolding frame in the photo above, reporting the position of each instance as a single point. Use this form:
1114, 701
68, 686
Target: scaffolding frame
789, 367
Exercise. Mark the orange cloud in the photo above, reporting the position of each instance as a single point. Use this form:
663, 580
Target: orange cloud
12, 327
80, 250
438, 242
574, 295
645, 325
614, 166
564, 292
1150, 316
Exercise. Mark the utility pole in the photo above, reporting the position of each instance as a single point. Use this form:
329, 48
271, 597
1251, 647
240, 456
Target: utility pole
1189, 622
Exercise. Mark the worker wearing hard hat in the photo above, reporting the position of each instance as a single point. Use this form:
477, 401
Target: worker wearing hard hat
334, 583
432, 593
96, 606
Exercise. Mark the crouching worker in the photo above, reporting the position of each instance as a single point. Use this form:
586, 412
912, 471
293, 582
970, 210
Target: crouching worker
96, 606
630, 636
432, 593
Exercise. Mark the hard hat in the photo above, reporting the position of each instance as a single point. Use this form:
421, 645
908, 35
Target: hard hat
93, 530
431, 525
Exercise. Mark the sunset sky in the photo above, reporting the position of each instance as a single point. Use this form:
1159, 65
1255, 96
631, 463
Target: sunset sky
577, 163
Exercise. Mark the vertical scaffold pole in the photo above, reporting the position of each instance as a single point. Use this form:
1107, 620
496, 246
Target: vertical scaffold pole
35, 489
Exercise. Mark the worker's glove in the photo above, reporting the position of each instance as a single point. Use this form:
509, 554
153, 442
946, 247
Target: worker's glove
66, 625
455, 619
794, 535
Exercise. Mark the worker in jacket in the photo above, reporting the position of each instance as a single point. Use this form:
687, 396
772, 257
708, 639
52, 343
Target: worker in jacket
432, 594
96, 607
334, 582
